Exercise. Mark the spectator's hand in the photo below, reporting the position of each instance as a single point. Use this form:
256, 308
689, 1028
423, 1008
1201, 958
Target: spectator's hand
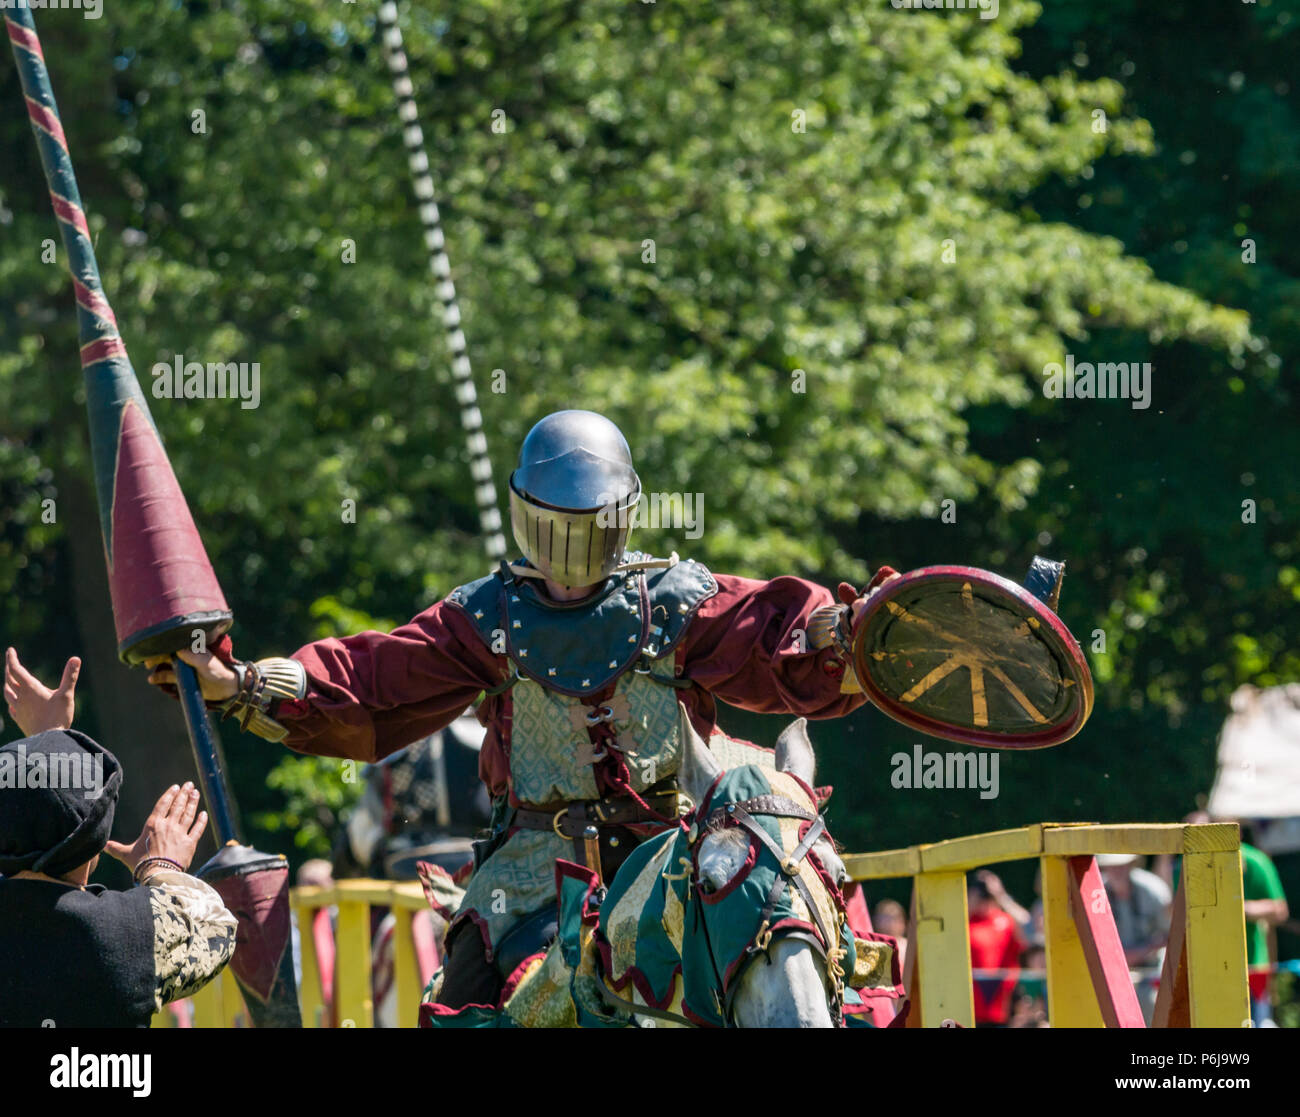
33, 705
993, 883
172, 830
217, 681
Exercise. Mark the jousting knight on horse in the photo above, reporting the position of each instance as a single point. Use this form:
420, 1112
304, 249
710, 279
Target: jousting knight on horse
582, 651
599, 670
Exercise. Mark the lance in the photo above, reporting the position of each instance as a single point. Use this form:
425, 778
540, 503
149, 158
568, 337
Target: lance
164, 591
471, 419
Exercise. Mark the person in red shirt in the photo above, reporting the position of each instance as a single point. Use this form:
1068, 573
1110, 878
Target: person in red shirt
995, 944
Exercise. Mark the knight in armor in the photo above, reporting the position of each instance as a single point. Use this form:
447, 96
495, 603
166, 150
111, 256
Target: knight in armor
581, 650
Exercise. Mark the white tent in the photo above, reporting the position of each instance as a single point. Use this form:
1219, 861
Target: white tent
1259, 762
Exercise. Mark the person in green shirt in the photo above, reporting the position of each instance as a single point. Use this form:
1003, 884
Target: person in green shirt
1266, 908
1266, 904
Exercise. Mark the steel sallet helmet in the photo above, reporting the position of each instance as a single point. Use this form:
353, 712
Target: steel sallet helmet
572, 497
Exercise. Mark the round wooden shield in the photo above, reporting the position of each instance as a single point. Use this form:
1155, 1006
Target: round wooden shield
968, 656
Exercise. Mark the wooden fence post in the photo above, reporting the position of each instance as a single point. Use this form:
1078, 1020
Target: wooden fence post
943, 950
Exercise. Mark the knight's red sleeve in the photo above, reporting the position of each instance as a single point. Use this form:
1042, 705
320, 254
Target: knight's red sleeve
371, 694
748, 645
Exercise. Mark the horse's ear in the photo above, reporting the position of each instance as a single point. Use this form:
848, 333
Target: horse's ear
699, 767
794, 751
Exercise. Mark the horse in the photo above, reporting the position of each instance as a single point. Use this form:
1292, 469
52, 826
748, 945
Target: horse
762, 896
734, 917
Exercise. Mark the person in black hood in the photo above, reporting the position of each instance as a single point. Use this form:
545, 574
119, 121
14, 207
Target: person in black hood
73, 954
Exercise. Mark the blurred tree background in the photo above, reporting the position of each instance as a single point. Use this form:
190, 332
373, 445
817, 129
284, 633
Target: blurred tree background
693, 212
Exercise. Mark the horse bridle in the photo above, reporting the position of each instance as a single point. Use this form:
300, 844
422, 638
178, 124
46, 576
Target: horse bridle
743, 814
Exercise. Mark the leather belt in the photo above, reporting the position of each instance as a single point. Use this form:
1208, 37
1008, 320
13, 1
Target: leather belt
568, 820
572, 819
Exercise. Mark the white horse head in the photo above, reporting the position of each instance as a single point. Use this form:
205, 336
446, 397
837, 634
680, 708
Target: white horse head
786, 986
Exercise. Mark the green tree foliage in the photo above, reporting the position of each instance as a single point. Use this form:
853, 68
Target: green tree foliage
317, 792
1213, 210
813, 260
1206, 599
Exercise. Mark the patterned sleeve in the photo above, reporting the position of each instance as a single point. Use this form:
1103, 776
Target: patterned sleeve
193, 935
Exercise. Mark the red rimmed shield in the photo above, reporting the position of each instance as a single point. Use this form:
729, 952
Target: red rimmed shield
969, 656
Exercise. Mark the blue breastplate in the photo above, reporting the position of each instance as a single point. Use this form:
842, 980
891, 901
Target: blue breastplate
578, 648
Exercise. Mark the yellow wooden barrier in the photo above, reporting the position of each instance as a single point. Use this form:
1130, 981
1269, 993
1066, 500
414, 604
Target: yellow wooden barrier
352, 960
352, 977
1070, 998
219, 1004
1213, 928
943, 948
406, 971
1216, 965
311, 991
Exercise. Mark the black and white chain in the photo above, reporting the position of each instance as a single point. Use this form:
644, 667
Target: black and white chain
480, 465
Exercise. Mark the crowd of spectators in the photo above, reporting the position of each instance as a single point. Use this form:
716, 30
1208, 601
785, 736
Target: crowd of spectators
1008, 947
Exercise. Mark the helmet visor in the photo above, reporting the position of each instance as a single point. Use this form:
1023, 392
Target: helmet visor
572, 548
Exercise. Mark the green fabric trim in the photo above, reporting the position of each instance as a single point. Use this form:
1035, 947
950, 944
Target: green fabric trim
649, 898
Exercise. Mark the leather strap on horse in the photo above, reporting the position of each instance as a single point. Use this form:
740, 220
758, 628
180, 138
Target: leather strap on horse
615, 1001
777, 806
789, 864
789, 867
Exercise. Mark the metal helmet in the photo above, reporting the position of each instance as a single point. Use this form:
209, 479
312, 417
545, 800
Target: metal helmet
572, 497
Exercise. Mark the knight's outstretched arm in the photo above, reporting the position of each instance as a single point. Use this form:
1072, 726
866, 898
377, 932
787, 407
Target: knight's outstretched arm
359, 697
777, 647
370, 694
